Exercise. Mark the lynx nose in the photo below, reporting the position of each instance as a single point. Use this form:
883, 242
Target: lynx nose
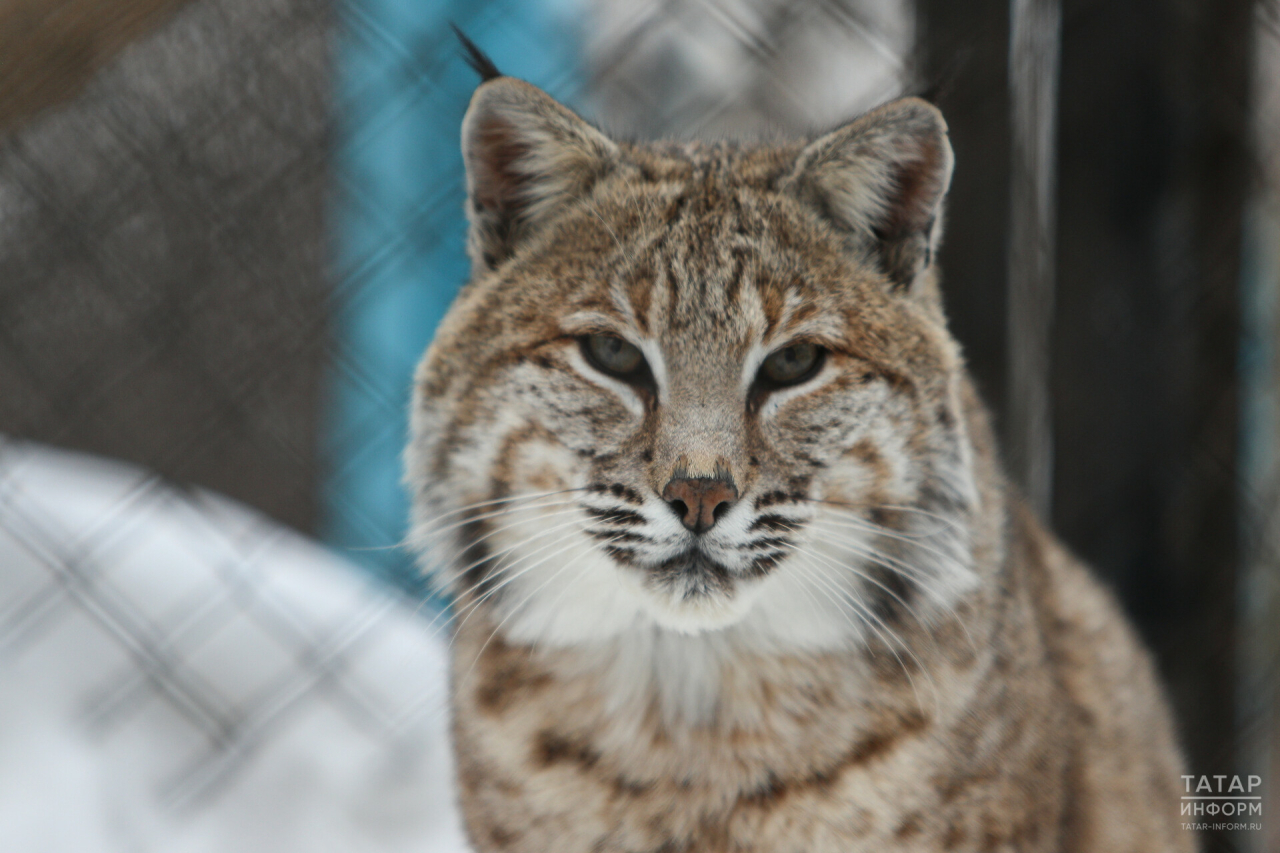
700, 501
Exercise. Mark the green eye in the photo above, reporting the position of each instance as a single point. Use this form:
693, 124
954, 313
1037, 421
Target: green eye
792, 365
612, 355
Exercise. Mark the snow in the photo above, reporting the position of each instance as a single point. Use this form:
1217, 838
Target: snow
178, 673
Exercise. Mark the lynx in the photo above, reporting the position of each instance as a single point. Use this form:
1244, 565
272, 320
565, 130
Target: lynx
733, 563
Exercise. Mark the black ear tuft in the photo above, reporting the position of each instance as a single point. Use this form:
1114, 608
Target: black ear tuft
526, 158
475, 57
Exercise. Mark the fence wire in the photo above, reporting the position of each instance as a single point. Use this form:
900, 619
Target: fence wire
221, 259
198, 258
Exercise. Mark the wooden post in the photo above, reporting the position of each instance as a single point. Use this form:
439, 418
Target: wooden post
962, 64
1153, 164
1035, 33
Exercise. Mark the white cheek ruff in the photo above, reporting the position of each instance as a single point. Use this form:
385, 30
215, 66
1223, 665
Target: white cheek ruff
798, 609
578, 599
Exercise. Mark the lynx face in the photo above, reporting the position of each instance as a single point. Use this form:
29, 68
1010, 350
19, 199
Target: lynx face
704, 388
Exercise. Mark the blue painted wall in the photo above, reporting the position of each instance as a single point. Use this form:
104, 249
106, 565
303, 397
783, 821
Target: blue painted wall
399, 229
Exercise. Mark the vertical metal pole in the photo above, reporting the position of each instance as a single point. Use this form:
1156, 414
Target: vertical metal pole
1034, 44
1258, 596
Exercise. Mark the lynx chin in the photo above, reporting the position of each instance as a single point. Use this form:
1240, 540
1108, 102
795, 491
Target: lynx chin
733, 562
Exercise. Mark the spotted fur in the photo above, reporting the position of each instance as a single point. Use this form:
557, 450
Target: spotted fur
874, 646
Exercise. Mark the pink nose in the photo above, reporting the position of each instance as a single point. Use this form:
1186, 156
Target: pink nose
700, 501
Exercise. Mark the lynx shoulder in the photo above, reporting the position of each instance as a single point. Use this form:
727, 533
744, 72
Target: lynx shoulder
733, 563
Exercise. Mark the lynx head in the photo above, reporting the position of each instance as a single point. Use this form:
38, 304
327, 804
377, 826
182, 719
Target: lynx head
695, 388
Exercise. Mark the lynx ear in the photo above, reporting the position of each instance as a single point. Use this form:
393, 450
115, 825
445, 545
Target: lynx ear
881, 179
526, 156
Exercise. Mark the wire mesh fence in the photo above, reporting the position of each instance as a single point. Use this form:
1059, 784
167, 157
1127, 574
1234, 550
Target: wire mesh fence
182, 673
162, 259
221, 260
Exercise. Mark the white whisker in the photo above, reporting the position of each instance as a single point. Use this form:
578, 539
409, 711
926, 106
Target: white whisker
865, 615
526, 496
857, 523
874, 555
518, 522
510, 578
527, 599
425, 534
498, 568
867, 550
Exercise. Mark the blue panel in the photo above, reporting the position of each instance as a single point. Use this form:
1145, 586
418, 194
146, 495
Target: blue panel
399, 230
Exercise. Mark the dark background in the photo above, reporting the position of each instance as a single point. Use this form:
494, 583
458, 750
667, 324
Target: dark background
1154, 171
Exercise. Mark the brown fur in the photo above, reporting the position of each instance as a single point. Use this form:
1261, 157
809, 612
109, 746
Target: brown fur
987, 695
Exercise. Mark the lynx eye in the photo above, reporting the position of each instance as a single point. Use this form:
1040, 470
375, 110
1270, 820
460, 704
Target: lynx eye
792, 365
613, 355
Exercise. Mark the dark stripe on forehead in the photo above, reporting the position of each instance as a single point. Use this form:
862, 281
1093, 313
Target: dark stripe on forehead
773, 301
639, 292
733, 289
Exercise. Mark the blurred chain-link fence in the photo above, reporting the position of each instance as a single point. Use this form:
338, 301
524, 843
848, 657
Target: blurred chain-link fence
222, 258
163, 248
